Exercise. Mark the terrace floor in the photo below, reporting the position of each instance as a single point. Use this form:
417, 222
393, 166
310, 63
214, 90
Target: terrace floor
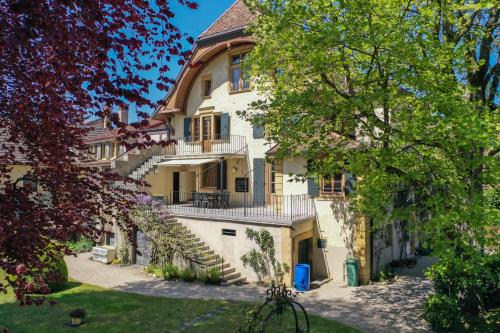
251, 214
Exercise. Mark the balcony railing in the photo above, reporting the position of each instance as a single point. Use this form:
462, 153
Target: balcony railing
212, 145
282, 209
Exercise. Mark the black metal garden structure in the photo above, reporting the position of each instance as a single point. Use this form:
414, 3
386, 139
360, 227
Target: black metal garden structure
279, 300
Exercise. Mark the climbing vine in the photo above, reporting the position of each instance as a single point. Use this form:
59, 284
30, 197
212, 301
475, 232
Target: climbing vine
164, 234
263, 261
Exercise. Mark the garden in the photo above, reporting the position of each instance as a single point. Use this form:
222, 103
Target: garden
113, 311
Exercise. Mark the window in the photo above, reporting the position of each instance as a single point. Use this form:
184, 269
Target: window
273, 176
228, 232
30, 182
110, 239
98, 152
207, 127
258, 127
332, 185
388, 235
240, 78
107, 151
217, 126
206, 87
209, 178
241, 184
196, 129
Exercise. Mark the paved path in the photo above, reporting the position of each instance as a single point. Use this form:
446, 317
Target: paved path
376, 308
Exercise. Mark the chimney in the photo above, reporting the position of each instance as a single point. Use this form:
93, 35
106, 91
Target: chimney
123, 115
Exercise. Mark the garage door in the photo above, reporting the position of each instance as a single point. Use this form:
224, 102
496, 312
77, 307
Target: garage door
141, 252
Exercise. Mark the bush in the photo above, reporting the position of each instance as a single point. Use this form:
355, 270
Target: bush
116, 261
442, 313
471, 280
187, 275
56, 275
209, 276
386, 274
170, 272
81, 245
78, 313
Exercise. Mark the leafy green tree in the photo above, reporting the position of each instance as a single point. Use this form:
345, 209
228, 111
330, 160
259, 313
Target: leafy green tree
403, 94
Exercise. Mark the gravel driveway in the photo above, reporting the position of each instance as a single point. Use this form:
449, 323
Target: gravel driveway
375, 308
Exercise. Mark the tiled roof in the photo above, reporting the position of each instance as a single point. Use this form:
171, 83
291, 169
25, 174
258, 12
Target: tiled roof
99, 134
237, 16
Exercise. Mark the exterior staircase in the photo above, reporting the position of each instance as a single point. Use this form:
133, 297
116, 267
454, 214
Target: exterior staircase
146, 167
196, 248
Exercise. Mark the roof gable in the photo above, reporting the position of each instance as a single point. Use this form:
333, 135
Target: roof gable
236, 16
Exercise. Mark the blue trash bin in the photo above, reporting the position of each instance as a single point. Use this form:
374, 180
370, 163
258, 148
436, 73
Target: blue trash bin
302, 280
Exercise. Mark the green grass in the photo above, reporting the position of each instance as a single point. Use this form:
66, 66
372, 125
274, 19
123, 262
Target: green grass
112, 311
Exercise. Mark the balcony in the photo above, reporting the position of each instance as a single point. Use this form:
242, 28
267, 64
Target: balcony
283, 209
212, 145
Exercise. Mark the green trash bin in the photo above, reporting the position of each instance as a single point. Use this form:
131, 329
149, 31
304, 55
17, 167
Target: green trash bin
352, 268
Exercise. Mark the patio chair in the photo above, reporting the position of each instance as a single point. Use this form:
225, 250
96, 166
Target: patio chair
205, 200
224, 199
196, 199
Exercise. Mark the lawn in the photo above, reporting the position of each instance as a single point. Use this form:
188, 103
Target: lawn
112, 311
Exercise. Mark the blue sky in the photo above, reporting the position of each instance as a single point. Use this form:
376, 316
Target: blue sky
192, 22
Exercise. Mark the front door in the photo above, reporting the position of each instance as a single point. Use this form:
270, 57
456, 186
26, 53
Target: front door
207, 134
305, 252
176, 188
141, 251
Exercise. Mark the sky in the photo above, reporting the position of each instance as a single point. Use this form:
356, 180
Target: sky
192, 22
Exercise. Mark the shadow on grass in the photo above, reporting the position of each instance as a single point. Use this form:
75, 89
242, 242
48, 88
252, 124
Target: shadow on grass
113, 311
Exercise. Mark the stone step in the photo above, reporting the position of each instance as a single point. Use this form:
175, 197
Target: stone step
236, 281
231, 276
213, 261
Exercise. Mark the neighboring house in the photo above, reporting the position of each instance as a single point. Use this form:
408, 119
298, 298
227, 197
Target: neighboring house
216, 180
19, 172
104, 148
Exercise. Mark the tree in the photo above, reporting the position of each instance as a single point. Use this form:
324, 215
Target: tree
403, 94
59, 62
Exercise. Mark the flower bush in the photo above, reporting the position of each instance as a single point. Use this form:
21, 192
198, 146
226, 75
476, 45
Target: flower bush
442, 312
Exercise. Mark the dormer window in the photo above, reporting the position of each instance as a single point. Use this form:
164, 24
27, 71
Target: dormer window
239, 77
206, 87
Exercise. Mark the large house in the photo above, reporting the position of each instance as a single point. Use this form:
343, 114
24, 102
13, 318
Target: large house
221, 178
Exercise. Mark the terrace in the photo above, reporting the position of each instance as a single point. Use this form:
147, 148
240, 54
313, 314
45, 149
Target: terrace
285, 209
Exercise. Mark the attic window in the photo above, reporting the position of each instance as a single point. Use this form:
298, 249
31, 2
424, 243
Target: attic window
239, 76
206, 87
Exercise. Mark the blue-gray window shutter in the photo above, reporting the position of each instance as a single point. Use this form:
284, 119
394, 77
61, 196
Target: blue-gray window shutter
258, 181
222, 175
187, 128
258, 127
224, 126
350, 183
312, 187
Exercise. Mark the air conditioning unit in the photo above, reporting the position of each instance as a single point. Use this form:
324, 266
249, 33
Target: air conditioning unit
103, 254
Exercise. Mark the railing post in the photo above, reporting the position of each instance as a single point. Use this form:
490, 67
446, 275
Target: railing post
245, 204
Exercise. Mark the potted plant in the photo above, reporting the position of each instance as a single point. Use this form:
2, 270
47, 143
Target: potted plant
77, 315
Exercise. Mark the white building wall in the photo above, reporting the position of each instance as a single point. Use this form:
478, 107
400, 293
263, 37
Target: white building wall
231, 248
223, 101
335, 223
291, 167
